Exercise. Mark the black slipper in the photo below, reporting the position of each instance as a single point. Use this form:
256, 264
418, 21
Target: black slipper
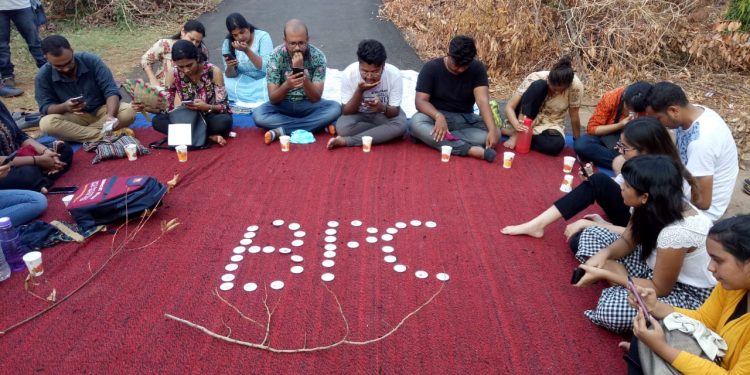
490, 155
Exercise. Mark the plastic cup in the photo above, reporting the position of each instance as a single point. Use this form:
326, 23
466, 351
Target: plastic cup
366, 143
445, 153
132, 151
67, 199
567, 183
508, 159
285, 141
181, 153
568, 162
33, 262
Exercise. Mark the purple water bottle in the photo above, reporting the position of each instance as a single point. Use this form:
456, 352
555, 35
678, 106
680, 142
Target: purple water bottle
11, 245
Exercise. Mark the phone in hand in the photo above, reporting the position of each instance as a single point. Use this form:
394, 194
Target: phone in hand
77, 99
230, 56
187, 102
62, 190
9, 158
577, 275
297, 70
586, 169
641, 305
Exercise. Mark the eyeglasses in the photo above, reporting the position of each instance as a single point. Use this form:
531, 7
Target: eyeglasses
620, 146
375, 74
297, 44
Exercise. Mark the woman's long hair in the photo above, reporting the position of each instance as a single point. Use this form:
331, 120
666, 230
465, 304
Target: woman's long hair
659, 177
191, 26
635, 97
734, 235
648, 136
183, 49
236, 21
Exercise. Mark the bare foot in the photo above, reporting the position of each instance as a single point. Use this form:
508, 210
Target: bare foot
511, 142
43, 190
336, 142
527, 229
624, 345
218, 139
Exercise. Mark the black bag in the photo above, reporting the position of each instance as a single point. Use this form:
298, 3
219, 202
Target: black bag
110, 199
199, 128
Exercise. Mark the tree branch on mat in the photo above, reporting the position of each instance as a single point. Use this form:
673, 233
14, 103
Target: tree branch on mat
116, 249
265, 343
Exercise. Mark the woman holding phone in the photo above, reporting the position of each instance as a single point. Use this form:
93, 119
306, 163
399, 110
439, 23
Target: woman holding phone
161, 52
245, 50
642, 136
35, 166
663, 247
724, 312
199, 85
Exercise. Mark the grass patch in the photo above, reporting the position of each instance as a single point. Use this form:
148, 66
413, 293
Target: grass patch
121, 50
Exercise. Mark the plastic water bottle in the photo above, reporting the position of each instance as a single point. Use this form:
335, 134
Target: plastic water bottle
523, 141
4, 268
11, 245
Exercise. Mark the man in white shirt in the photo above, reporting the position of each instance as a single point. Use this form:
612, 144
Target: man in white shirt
371, 93
20, 13
704, 142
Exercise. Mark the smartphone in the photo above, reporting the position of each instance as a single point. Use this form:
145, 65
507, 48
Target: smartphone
62, 190
77, 99
230, 56
298, 70
187, 102
642, 306
577, 275
9, 158
587, 172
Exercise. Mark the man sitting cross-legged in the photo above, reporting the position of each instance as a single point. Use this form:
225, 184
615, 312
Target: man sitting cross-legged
447, 88
78, 95
296, 73
371, 91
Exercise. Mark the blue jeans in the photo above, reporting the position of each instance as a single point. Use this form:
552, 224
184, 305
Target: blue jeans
21, 206
302, 114
469, 128
25, 22
597, 149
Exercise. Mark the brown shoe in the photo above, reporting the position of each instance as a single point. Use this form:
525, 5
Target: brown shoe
271, 135
331, 129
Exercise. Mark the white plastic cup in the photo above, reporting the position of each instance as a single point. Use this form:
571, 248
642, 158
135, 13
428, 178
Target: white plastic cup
568, 162
182, 153
285, 141
445, 153
33, 262
508, 159
132, 151
567, 184
366, 143
67, 199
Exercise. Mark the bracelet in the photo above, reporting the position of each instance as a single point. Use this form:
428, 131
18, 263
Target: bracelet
45, 150
34, 159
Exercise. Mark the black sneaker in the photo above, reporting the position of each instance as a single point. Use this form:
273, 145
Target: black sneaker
8, 91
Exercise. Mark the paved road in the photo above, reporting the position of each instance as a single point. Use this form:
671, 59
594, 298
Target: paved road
335, 26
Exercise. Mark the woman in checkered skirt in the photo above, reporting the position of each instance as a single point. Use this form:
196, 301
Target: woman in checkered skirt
663, 246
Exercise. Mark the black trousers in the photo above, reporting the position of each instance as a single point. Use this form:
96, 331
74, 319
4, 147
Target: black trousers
218, 123
548, 142
600, 189
31, 177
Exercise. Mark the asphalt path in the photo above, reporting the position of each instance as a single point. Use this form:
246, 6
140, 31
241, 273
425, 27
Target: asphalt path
335, 26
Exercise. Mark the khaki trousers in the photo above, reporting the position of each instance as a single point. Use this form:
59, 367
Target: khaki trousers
84, 127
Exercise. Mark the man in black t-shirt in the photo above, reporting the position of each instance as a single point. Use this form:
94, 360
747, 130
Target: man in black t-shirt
447, 88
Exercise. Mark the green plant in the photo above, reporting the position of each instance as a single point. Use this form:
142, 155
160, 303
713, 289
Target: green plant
740, 11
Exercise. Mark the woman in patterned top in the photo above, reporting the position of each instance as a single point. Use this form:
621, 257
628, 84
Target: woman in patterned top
662, 248
161, 51
199, 86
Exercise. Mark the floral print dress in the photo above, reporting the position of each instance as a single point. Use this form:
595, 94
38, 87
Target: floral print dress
205, 89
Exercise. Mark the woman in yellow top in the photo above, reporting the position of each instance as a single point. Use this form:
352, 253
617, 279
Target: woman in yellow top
724, 312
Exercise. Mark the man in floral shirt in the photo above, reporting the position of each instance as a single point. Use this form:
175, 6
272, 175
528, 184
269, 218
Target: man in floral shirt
296, 74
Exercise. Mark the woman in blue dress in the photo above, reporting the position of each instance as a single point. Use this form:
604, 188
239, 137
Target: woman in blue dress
245, 51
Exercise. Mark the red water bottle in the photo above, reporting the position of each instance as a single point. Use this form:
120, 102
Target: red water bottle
523, 140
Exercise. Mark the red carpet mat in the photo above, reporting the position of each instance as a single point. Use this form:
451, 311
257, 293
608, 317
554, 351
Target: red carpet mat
507, 308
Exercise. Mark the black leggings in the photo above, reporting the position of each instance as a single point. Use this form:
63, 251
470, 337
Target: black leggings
600, 189
218, 123
31, 177
549, 142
